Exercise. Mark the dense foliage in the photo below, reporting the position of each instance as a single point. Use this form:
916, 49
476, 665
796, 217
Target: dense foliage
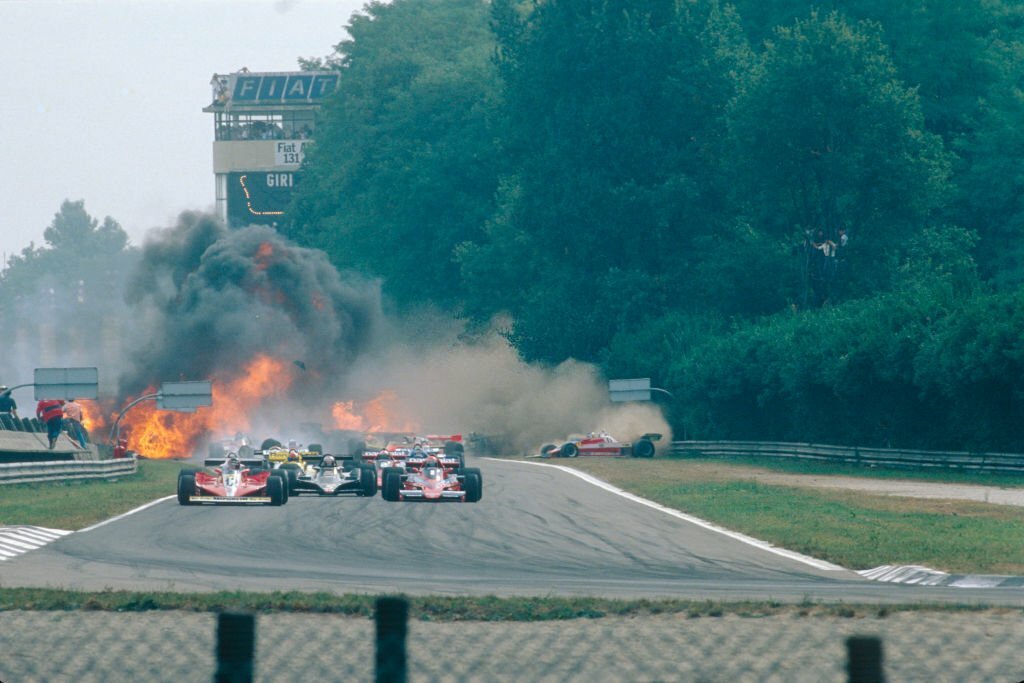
804, 223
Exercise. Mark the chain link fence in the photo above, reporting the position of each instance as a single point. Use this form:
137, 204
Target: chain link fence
104, 647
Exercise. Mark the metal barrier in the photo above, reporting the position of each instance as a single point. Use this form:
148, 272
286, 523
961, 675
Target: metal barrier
974, 462
23, 473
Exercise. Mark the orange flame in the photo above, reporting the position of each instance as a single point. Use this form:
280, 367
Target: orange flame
379, 414
160, 434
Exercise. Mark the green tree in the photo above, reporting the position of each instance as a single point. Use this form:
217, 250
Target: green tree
614, 119
403, 168
827, 136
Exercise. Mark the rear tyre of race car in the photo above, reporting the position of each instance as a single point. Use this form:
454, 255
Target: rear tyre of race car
186, 488
275, 491
281, 474
473, 485
290, 472
269, 443
570, 450
643, 448
392, 483
316, 448
367, 480
453, 448
357, 449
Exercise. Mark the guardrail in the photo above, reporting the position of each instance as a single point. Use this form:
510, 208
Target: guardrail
870, 457
61, 470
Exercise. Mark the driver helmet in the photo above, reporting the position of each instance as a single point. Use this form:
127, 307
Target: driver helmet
328, 461
234, 464
293, 455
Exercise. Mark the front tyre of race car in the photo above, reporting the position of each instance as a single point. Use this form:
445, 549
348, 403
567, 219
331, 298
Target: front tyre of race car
473, 485
546, 449
392, 483
186, 487
570, 450
643, 448
275, 491
367, 480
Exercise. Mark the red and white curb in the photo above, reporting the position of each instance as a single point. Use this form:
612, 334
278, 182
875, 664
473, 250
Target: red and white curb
18, 540
923, 576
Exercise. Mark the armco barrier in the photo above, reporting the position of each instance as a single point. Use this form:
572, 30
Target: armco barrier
61, 470
878, 457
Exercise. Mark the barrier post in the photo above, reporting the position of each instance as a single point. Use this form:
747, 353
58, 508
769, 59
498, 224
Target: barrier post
864, 663
391, 616
236, 643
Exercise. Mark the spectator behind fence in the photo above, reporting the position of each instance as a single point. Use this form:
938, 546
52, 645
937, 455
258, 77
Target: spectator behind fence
7, 403
51, 411
73, 417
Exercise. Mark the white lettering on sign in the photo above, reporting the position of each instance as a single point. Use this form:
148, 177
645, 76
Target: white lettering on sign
279, 180
288, 153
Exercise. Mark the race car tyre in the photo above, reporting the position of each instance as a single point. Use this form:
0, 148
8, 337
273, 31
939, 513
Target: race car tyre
392, 483
281, 474
357, 449
269, 443
291, 475
473, 485
186, 488
453, 448
275, 490
246, 452
316, 448
570, 450
463, 471
367, 480
216, 450
545, 450
643, 448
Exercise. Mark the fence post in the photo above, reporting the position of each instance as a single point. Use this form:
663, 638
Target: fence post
864, 663
236, 641
392, 614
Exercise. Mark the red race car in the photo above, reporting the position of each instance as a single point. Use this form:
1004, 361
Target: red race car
233, 482
433, 480
601, 443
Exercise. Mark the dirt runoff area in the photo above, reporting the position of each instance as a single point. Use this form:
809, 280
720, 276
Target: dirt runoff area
792, 646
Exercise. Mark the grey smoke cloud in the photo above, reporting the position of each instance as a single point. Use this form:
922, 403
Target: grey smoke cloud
206, 300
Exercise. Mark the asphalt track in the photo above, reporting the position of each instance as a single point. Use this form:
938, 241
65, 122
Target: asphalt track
537, 531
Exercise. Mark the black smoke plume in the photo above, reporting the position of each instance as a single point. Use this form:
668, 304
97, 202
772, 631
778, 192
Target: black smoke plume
207, 299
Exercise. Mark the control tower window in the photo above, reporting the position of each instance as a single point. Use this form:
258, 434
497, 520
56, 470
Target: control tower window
287, 125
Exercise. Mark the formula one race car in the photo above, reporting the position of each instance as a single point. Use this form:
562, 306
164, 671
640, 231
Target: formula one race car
233, 481
601, 443
331, 478
432, 480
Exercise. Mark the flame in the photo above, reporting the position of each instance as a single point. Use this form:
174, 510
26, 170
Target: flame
379, 414
161, 434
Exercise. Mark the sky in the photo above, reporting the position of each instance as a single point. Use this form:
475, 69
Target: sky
102, 100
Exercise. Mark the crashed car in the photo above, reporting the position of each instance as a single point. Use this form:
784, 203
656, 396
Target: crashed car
331, 478
432, 481
601, 443
233, 481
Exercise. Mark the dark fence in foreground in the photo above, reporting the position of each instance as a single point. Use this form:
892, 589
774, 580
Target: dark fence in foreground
870, 457
236, 638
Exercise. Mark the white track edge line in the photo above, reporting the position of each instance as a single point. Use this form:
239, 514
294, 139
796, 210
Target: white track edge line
743, 538
125, 514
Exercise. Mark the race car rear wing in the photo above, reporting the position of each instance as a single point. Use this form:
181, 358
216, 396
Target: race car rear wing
247, 462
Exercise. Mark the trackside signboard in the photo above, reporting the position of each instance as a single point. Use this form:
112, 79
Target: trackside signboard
66, 383
185, 396
630, 389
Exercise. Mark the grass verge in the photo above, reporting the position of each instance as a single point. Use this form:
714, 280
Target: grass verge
850, 528
75, 505
443, 609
